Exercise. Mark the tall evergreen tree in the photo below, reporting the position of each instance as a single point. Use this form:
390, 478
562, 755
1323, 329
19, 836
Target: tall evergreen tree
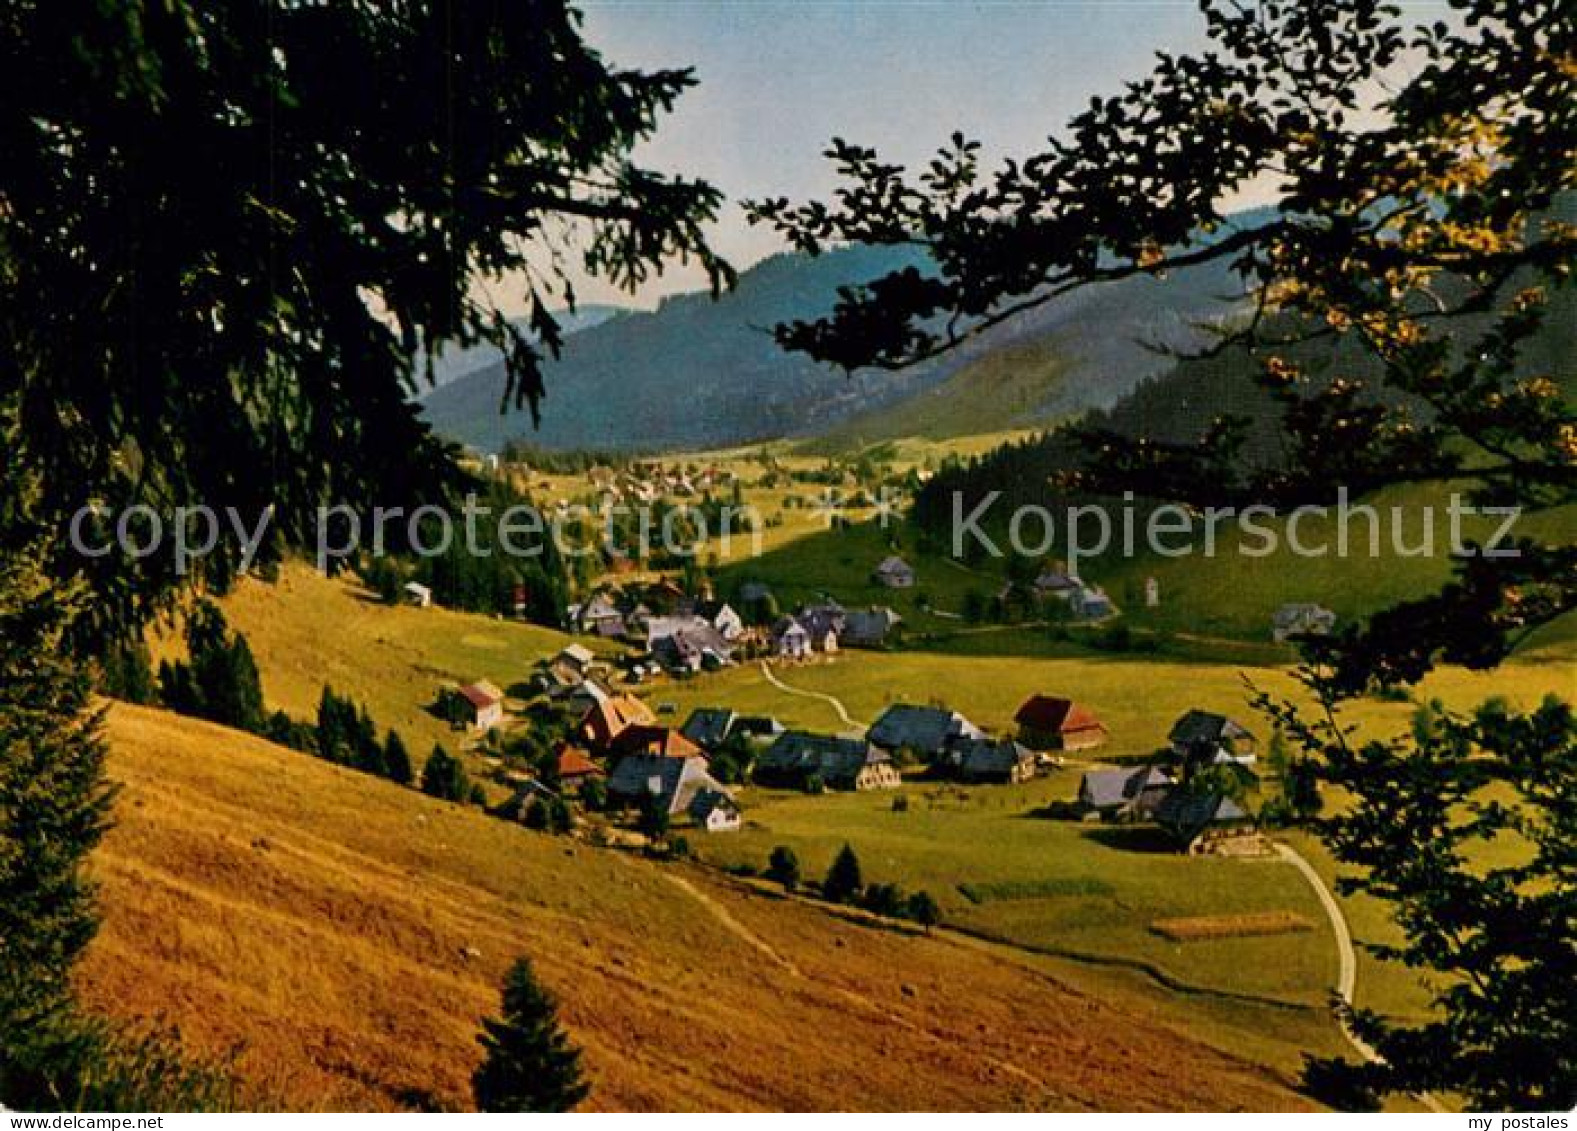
444, 777
369, 751
127, 672
844, 881
54, 802
530, 1065
336, 728
397, 760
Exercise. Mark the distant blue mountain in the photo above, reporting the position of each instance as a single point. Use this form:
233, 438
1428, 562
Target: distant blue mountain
457, 361
699, 373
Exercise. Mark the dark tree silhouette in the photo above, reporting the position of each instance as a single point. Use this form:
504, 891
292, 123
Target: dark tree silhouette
530, 1064
247, 328
397, 760
844, 882
444, 777
783, 867
54, 803
923, 909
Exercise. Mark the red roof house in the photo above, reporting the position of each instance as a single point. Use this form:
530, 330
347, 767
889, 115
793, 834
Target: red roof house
1047, 722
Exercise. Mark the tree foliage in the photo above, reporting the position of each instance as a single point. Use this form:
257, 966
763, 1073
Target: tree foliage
530, 1064
843, 883
230, 236
783, 867
219, 680
54, 803
444, 777
1467, 828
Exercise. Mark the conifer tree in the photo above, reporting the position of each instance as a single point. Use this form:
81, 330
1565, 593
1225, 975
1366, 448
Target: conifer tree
843, 881
397, 760
444, 777
531, 1066
54, 802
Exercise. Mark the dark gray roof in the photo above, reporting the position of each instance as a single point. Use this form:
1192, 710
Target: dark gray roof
675, 780
706, 800
796, 753
758, 726
870, 626
1300, 611
927, 730
818, 620
687, 632
1108, 789
1186, 815
1204, 726
786, 626
708, 726
983, 757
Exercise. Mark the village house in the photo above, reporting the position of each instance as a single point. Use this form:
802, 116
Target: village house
714, 811
824, 624
607, 720
686, 644
656, 741
418, 595
1055, 583
1203, 738
1202, 823
894, 573
1084, 601
992, 760
1049, 722
485, 703
926, 732
581, 697
709, 727
675, 782
573, 662
839, 763
1090, 602
1301, 619
1125, 795
722, 617
789, 640
575, 768
600, 616
757, 728
870, 628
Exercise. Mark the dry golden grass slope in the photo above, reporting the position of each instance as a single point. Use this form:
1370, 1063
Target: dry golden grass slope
346, 935
307, 630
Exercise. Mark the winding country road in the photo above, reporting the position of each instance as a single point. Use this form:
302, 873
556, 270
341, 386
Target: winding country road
835, 703
1347, 964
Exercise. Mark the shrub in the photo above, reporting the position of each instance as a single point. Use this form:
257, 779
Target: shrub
783, 867
844, 881
444, 777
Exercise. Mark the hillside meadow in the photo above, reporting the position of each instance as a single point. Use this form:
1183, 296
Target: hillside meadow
335, 940
1069, 900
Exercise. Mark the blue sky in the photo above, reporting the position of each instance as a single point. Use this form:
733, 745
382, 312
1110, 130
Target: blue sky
777, 80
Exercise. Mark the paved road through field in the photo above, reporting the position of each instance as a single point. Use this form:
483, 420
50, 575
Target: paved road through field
1347, 957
